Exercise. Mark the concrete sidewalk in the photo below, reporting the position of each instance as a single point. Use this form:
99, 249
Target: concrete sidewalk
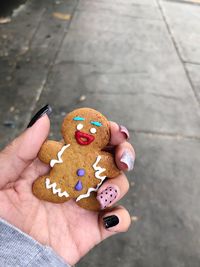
137, 61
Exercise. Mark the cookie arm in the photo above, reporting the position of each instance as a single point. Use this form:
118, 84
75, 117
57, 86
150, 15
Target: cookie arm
108, 162
49, 151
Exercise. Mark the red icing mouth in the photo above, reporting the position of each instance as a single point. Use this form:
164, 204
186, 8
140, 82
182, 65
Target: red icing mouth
83, 138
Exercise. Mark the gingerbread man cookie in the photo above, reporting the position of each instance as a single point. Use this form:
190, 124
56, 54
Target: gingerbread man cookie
78, 166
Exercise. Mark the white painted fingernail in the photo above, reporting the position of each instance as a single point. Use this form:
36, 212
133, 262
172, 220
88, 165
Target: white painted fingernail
128, 159
125, 131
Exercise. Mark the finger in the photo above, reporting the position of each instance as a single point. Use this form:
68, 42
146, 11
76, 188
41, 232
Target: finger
125, 156
22, 151
119, 133
114, 221
112, 191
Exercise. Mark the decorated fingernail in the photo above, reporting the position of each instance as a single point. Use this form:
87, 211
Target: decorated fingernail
107, 196
124, 130
44, 110
128, 159
110, 221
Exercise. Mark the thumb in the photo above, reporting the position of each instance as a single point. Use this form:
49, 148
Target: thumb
22, 151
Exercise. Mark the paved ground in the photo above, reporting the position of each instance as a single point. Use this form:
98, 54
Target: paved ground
137, 61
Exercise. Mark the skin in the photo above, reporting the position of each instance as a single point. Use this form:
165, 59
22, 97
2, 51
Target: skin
70, 230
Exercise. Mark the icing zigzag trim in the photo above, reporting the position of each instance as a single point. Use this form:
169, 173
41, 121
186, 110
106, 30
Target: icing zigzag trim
54, 189
59, 160
98, 171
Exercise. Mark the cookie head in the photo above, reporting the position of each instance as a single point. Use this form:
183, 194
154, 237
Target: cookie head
87, 128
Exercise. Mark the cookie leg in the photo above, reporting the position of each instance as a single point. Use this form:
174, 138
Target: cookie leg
90, 203
44, 192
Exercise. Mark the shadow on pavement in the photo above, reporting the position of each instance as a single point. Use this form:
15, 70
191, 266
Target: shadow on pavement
7, 7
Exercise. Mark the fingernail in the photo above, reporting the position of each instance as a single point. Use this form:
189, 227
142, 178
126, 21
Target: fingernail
110, 221
128, 159
107, 196
125, 131
44, 110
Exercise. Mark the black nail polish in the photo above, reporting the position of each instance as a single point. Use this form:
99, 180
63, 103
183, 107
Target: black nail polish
44, 110
110, 221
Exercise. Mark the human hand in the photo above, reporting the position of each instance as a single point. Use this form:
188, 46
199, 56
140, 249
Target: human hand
70, 230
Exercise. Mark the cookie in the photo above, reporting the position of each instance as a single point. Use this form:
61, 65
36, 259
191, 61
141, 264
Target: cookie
79, 166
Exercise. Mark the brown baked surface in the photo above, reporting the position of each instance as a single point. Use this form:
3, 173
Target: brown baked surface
75, 165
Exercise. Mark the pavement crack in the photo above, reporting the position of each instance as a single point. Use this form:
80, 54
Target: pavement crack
177, 136
192, 62
185, 2
178, 53
119, 72
73, 62
25, 49
113, 12
135, 93
51, 64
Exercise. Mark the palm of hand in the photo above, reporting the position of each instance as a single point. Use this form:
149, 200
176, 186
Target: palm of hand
70, 230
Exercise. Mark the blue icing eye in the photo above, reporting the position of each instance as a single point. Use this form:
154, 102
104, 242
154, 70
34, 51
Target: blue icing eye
96, 123
78, 118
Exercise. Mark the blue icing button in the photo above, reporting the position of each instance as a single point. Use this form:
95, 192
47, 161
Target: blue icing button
79, 186
80, 172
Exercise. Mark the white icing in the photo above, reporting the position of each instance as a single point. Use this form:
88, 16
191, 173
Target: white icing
59, 160
54, 189
93, 130
79, 126
98, 171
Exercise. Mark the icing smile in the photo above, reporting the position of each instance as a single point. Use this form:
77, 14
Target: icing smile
83, 138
